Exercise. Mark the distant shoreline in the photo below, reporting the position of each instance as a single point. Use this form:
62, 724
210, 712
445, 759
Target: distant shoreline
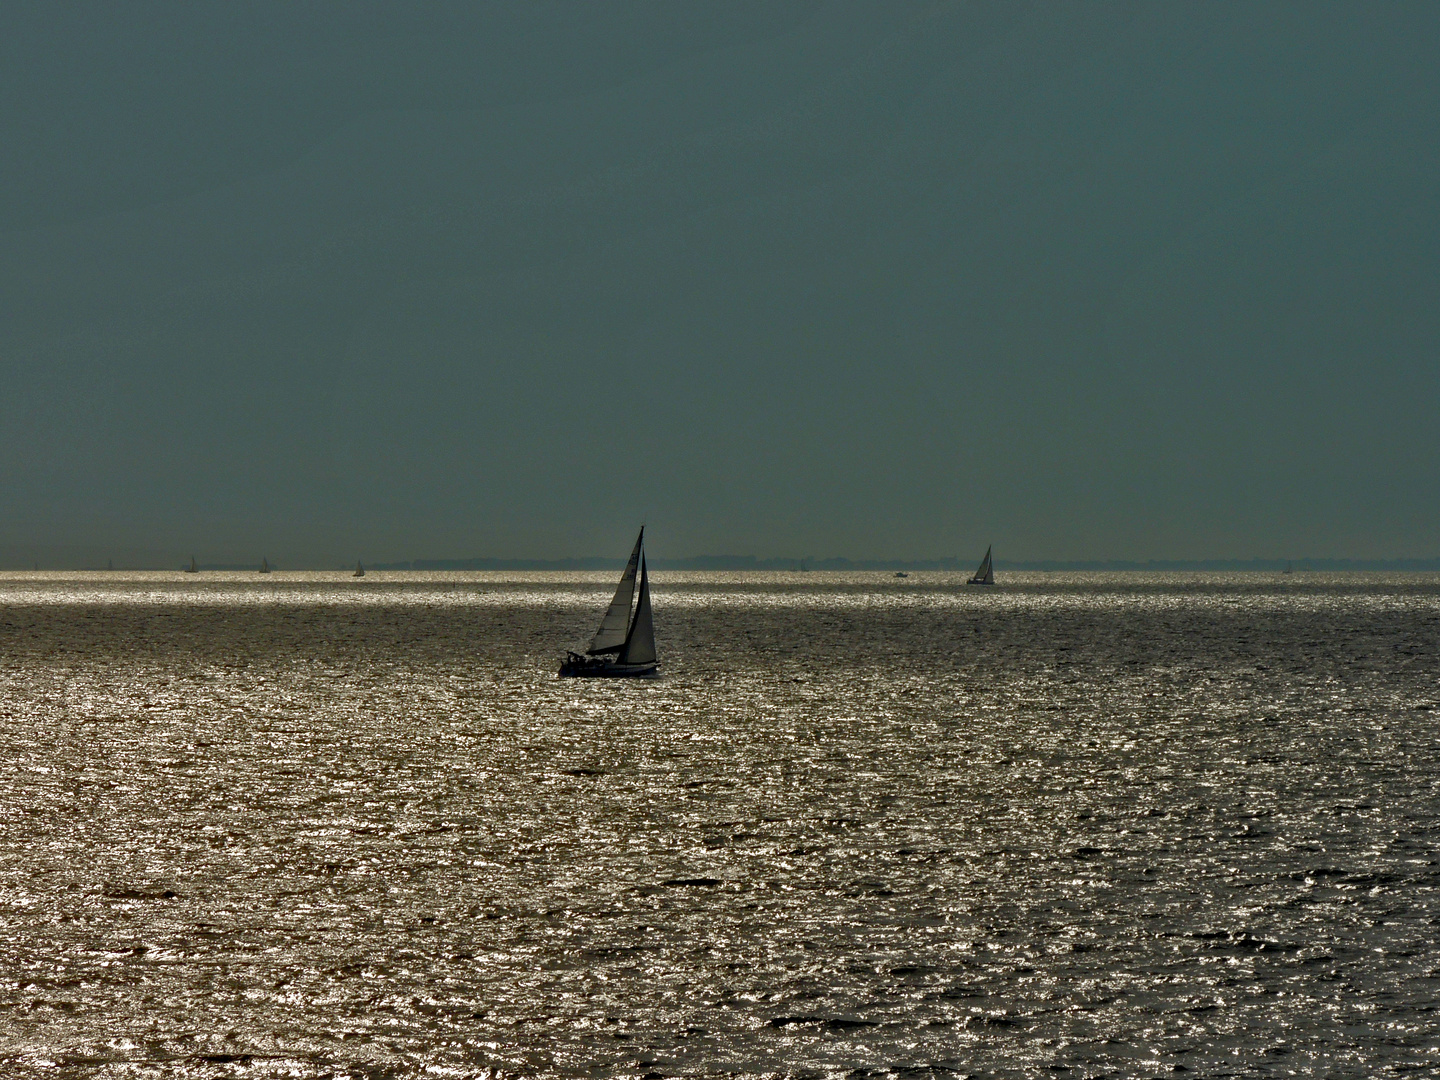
750, 562
754, 563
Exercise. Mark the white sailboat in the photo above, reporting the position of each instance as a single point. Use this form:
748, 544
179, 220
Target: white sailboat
624, 646
985, 574
359, 570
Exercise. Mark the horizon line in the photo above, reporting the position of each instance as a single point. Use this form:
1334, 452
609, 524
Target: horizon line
802, 564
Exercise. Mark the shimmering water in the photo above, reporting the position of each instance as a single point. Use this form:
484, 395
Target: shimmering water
1077, 825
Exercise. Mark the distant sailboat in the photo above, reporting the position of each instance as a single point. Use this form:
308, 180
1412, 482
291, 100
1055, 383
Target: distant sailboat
192, 568
264, 565
985, 575
624, 646
1289, 567
359, 569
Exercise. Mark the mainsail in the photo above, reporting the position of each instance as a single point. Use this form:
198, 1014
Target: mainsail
639, 647
985, 575
612, 633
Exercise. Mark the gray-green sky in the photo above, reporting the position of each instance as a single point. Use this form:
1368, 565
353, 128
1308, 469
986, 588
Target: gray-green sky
1088, 280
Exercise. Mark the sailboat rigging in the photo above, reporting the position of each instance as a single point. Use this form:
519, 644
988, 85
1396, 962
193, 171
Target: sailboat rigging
624, 645
985, 574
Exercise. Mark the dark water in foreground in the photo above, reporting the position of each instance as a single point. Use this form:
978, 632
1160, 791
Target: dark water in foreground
1079, 825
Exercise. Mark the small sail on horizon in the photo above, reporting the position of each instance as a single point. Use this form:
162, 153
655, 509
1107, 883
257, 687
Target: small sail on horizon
985, 574
194, 567
614, 627
264, 565
359, 569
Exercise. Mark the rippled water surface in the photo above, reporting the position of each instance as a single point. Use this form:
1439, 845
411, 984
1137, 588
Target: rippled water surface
1076, 825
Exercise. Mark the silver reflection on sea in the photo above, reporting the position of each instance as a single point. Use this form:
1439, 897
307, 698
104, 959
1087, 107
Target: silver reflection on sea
305, 825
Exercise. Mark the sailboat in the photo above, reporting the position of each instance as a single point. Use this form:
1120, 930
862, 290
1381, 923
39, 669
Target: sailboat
359, 569
264, 565
624, 646
192, 568
1289, 567
985, 574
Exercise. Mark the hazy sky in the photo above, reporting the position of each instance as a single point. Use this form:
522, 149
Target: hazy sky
381, 280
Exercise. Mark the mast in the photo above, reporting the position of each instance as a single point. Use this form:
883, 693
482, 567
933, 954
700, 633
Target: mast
611, 636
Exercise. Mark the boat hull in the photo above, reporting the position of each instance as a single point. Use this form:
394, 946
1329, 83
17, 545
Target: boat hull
607, 669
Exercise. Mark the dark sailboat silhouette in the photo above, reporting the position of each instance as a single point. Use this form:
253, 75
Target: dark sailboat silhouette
624, 646
264, 565
985, 575
192, 568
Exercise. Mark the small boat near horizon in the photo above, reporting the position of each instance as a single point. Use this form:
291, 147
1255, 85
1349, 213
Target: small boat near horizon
985, 573
264, 565
624, 646
194, 567
359, 570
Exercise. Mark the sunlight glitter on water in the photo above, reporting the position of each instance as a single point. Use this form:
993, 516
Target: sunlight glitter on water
1110, 825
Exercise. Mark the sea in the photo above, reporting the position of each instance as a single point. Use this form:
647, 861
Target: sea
1074, 825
